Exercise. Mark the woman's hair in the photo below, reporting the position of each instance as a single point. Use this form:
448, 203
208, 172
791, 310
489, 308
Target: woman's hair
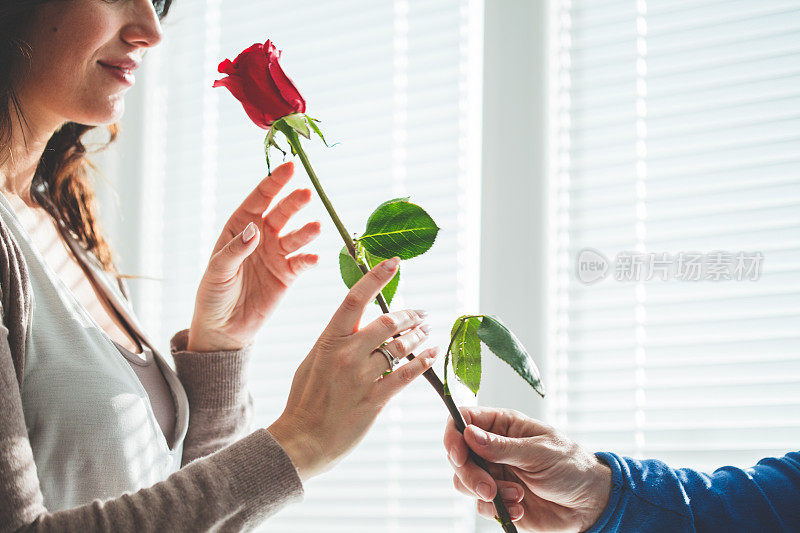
63, 168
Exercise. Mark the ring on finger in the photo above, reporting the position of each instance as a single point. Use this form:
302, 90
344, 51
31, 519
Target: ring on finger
392, 360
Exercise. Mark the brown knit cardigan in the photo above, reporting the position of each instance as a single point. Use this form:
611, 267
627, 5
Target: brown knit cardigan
226, 483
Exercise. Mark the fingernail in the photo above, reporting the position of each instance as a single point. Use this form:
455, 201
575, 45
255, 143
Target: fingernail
389, 264
514, 510
484, 490
432, 354
480, 436
421, 312
426, 328
249, 232
510, 493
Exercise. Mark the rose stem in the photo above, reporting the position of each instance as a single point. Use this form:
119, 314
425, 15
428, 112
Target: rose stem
430, 375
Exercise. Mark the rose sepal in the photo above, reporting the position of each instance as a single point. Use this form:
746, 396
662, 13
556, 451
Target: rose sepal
292, 126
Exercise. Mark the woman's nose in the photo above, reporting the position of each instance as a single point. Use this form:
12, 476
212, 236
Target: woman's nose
143, 28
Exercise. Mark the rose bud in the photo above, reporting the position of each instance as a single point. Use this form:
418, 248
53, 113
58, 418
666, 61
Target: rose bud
256, 79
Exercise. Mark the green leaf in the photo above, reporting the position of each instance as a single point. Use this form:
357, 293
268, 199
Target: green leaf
393, 200
505, 345
351, 273
312, 123
298, 123
348, 268
398, 227
466, 348
390, 288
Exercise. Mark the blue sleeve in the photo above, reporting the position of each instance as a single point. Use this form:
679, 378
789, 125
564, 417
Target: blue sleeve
649, 496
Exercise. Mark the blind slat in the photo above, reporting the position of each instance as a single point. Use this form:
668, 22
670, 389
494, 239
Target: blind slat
675, 130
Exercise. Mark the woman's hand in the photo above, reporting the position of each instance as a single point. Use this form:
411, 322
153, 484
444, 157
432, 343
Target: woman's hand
245, 280
548, 482
336, 393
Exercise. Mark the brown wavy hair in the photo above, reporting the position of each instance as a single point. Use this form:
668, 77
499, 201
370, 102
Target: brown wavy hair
64, 165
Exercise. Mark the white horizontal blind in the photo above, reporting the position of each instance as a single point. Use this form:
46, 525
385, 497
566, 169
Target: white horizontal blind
676, 129
389, 80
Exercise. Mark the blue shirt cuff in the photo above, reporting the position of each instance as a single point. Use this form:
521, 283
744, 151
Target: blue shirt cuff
617, 486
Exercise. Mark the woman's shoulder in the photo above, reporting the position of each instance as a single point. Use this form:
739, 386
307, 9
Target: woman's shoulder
13, 269
15, 297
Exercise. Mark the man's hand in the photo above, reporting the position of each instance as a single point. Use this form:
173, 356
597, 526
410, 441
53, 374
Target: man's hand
548, 482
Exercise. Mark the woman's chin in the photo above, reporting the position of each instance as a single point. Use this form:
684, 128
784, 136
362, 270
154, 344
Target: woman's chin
109, 112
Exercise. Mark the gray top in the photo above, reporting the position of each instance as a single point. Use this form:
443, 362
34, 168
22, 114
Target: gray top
156, 386
228, 480
75, 383
164, 402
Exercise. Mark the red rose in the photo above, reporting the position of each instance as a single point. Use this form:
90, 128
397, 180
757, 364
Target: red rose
256, 79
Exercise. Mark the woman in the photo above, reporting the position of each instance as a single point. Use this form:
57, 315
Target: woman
96, 431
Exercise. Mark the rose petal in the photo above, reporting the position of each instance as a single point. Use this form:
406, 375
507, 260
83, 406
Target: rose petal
257, 80
226, 67
260, 88
234, 85
288, 91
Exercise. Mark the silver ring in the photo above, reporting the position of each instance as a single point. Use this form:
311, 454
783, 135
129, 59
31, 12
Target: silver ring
392, 360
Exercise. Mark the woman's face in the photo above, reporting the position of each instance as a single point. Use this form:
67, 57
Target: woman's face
73, 44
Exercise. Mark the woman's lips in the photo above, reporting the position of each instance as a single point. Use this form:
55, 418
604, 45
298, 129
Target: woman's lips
124, 76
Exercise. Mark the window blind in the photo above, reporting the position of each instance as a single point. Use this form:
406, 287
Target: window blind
675, 127
391, 82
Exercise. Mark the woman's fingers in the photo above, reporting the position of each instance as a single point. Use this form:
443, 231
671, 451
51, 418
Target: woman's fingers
224, 264
408, 342
301, 262
294, 240
393, 383
399, 348
389, 325
259, 199
345, 320
286, 208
